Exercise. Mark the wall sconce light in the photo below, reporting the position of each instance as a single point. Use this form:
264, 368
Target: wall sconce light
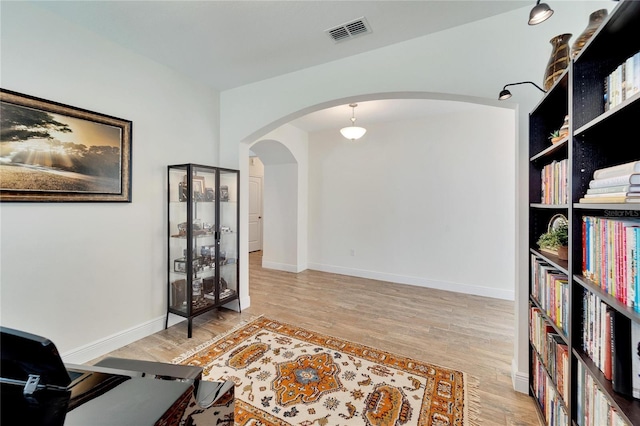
353, 132
505, 94
540, 13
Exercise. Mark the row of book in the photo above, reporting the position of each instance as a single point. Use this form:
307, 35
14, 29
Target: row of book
615, 184
552, 350
550, 288
623, 82
554, 183
597, 327
553, 408
611, 257
594, 408
611, 341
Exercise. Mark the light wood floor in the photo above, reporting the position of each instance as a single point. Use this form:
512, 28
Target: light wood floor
469, 333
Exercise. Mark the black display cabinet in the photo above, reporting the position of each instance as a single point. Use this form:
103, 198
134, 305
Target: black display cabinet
203, 239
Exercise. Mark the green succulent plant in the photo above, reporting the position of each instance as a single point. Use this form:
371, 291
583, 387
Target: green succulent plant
555, 238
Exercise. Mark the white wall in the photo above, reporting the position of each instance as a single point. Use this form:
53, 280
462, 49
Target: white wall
396, 204
280, 217
474, 60
284, 153
92, 276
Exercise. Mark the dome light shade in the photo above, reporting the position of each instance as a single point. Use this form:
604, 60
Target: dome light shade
540, 13
504, 94
353, 132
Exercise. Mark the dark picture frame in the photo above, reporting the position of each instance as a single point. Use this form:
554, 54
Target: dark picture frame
51, 152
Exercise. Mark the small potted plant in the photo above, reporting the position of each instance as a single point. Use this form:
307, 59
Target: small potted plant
556, 240
556, 137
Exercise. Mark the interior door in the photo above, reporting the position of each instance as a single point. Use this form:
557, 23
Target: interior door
255, 213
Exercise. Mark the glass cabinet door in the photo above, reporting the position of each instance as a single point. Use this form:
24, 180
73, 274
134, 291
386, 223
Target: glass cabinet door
204, 237
228, 243
178, 239
192, 238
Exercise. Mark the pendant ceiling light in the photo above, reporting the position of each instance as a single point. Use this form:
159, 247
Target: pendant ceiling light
540, 13
353, 132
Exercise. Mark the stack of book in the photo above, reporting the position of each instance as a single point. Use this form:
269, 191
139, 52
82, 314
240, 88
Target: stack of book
616, 184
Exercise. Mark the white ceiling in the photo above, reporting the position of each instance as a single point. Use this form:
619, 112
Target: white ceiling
226, 44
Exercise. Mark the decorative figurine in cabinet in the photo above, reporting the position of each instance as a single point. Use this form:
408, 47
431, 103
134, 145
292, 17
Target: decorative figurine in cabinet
203, 240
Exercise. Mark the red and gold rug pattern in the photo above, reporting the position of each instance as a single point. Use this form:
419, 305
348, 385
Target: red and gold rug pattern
286, 375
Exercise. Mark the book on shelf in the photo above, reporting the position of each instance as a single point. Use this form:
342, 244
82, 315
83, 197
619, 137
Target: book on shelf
613, 194
593, 406
635, 359
612, 342
611, 255
597, 330
612, 200
618, 170
607, 343
623, 82
631, 240
554, 183
615, 188
550, 288
626, 179
621, 332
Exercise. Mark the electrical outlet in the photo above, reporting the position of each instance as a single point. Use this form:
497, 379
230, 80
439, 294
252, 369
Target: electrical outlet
353, 252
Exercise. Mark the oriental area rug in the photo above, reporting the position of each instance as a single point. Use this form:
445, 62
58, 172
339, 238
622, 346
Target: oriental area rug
286, 375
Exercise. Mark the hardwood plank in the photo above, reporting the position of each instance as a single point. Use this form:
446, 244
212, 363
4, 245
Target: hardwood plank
470, 333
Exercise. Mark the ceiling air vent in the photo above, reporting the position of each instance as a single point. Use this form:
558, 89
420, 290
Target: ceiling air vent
349, 30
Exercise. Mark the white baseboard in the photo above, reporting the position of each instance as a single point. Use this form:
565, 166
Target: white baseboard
100, 347
417, 281
280, 266
519, 380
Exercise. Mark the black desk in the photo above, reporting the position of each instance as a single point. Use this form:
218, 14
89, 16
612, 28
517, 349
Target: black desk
105, 396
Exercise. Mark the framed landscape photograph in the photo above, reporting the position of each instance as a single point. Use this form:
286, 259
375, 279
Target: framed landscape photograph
55, 152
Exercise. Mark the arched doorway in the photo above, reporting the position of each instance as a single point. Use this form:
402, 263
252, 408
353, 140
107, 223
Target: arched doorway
282, 245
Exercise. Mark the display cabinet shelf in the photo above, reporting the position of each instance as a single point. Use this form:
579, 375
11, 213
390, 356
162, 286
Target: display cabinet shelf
559, 148
549, 206
607, 298
560, 264
607, 206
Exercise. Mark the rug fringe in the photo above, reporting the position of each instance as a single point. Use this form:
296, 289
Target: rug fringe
472, 397
213, 341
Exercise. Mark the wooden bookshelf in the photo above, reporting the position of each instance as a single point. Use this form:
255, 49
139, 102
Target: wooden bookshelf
599, 137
